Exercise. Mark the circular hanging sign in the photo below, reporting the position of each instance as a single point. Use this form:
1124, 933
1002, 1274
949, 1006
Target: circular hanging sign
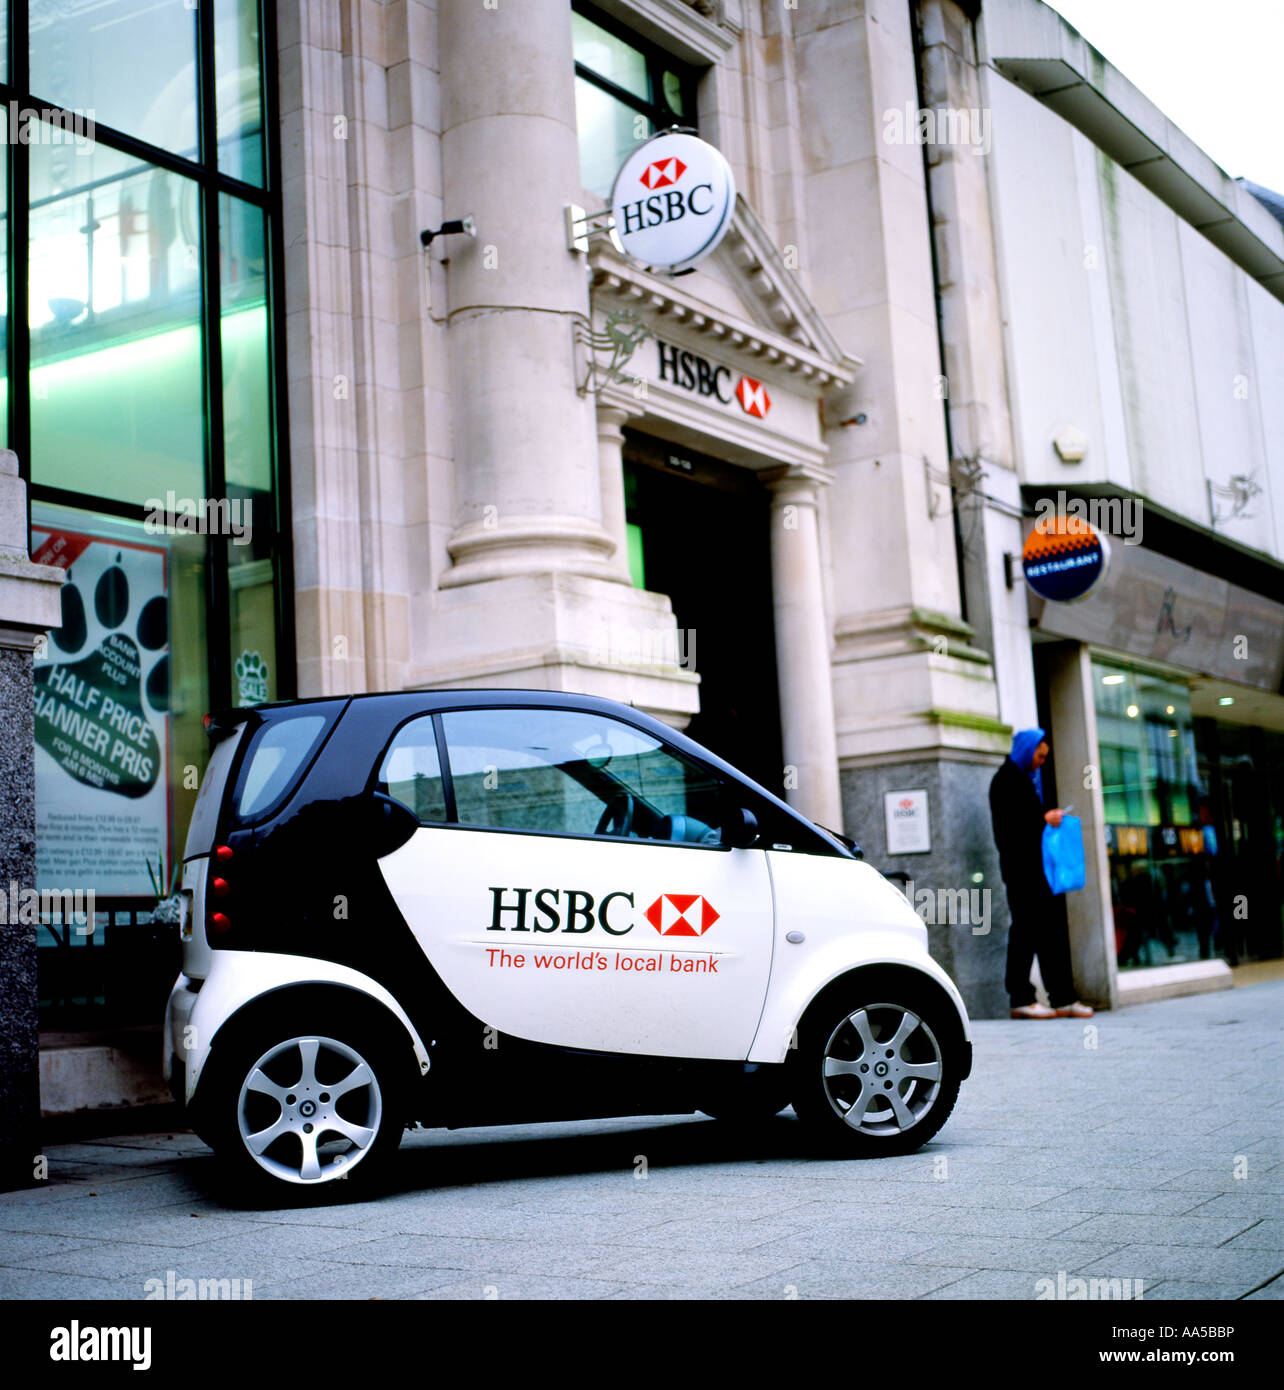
1064, 558
672, 201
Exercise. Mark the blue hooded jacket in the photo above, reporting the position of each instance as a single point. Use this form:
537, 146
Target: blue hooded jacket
1024, 742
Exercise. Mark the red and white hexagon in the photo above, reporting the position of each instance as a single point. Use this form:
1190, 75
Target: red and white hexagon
681, 914
753, 397
662, 173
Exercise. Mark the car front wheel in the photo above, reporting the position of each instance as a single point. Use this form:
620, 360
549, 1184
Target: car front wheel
875, 1076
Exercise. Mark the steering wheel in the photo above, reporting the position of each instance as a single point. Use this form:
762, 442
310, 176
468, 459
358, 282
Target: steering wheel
617, 816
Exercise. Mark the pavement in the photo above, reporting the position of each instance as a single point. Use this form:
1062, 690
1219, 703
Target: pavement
1141, 1145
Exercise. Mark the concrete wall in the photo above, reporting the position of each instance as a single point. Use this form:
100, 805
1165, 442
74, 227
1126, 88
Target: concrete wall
1127, 323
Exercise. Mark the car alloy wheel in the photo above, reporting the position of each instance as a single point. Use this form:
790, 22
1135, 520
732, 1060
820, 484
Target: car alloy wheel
309, 1110
882, 1068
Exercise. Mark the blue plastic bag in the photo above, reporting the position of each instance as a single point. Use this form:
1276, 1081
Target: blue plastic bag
1063, 863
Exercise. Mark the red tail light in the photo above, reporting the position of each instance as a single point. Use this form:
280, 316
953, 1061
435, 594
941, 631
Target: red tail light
221, 887
223, 853
219, 922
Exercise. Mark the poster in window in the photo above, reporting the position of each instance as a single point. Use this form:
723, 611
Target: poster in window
102, 717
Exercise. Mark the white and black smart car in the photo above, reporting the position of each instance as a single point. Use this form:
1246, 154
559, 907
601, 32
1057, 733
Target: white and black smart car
493, 906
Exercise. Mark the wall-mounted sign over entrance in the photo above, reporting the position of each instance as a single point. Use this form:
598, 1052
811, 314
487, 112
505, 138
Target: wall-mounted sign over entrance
672, 201
1064, 558
691, 372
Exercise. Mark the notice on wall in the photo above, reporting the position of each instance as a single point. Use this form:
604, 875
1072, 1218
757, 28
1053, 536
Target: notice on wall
909, 829
102, 718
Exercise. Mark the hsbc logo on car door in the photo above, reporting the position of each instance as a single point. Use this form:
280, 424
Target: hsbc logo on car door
577, 912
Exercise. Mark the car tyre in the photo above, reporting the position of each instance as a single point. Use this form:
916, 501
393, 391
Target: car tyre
305, 1114
877, 1069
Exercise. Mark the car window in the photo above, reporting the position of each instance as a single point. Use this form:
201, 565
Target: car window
411, 771
276, 758
572, 772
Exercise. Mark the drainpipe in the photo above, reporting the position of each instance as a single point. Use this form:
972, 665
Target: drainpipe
916, 32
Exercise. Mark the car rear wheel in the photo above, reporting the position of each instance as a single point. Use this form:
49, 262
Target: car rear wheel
876, 1076
302, 1110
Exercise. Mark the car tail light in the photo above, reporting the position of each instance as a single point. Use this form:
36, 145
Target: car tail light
218, 924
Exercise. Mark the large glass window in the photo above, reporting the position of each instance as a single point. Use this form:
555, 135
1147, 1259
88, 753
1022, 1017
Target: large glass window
1156, 810
128, 65
625, 90
140, 393
114, 293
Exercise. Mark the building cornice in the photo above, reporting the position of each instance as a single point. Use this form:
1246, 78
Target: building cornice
800, 344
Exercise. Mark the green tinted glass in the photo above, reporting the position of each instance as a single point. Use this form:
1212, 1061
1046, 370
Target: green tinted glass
608, 132
114, 309
238, 90
609, 57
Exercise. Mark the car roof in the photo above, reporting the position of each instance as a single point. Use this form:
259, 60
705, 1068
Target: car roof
499, 697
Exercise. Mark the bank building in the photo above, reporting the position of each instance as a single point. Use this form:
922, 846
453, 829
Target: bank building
341, 281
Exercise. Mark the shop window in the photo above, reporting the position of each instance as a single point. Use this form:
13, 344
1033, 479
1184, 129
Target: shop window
625, 91
1162, 863
133, 66
114, 292
144, 404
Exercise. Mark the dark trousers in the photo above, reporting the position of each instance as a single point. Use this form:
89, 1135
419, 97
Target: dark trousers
1038, 929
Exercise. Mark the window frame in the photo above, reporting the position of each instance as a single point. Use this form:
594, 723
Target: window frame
452, 821
211, 183
658, 61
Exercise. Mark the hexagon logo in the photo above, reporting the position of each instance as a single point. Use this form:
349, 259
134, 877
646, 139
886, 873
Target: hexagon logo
681, 914
753, 397
662, 173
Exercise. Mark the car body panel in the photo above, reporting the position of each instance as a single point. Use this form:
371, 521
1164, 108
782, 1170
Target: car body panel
849, 916
238, 978
548, 937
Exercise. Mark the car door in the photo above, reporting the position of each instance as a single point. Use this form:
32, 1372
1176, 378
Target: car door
569, 886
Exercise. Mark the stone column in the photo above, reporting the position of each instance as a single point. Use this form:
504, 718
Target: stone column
29, 607
527, 476
610, 462
803, 645
1074, 752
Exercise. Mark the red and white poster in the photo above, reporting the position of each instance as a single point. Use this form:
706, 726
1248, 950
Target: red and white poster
102, 718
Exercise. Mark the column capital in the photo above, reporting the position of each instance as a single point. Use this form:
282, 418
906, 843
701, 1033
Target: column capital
611, 419
796, 482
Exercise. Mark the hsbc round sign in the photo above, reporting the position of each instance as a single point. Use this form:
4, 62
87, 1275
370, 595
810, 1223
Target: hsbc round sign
672, 201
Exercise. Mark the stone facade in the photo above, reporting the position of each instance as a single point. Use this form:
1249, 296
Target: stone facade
458, 497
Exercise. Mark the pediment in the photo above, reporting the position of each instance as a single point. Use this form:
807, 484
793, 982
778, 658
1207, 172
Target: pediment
743, 296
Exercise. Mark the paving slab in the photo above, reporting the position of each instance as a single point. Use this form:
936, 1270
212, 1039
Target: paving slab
1097, 1161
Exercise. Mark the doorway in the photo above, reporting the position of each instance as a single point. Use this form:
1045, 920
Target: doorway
699, 532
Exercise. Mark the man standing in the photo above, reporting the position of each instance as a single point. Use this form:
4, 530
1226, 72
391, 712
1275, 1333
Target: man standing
1016, 810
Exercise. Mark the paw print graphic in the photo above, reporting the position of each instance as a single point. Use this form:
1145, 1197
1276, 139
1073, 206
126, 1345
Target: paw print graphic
94, 714
251, 679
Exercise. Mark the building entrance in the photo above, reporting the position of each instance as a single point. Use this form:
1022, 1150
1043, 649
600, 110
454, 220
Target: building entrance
698, 532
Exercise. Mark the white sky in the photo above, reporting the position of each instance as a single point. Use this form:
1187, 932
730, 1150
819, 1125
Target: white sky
1213, 67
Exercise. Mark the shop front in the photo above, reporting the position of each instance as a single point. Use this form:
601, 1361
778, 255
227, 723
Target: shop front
1180, 672
142, 401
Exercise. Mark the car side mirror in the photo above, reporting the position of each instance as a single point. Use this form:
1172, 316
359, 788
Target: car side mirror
739, 828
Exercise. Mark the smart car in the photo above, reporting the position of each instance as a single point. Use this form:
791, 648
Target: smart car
482, 907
